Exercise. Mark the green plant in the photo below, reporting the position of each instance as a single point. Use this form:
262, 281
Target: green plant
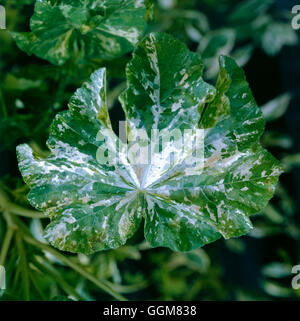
33, 91
64, 30
96, 206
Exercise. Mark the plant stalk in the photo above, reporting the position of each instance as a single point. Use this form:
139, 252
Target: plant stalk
74, 266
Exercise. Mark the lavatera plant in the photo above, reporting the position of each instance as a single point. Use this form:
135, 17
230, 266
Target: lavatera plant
96, 206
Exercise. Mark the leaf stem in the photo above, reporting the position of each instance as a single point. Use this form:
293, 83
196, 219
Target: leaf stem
24, 265
58, 278
21, 211
6, 244
74, 266
7, 205
36, 285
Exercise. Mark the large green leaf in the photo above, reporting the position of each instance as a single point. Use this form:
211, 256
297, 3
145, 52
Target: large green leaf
103, 29
96, 205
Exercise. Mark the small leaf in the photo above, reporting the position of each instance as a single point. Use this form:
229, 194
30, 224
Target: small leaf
213, 45
96, 205
277, 290
273, 214
277, 270
275, 108
242, 55
246, 11
291, 161
236, 246
271, 138
276, 36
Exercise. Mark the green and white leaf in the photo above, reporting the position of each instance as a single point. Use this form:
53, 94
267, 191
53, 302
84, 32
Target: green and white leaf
247, 11
104, 29
95, 207
276, 107
276, 36
242, 55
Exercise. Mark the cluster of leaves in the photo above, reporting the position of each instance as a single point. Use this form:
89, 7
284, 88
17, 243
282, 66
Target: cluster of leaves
68, 40
233, 28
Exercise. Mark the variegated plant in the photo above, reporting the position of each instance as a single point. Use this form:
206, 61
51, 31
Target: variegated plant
94, 206
104, 29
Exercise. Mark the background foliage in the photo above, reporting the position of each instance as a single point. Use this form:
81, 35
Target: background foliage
259, 36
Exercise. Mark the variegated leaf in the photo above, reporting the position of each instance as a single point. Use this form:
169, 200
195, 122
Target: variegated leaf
95, 206
103, 29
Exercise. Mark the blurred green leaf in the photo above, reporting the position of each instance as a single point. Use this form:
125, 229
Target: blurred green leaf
235, 245
271, 138
275, 108
291, 161
242, 55
273, 214
277, 270
212, 46
276, 290
248, 10
276, 36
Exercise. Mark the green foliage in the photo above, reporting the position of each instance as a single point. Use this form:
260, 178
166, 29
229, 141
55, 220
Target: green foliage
33, 91
92, 29
229, 28
96, 206
253, 19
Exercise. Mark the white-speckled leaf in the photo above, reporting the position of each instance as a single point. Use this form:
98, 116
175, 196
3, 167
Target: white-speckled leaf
103, 29
94, 206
